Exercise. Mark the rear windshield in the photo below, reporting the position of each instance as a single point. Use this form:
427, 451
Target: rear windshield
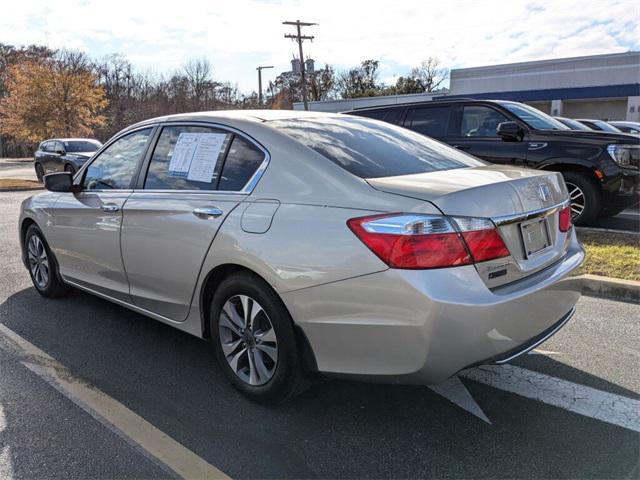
80, 146
373, 149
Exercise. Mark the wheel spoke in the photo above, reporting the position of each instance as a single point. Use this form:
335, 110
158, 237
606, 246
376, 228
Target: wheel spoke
233, 316
263, 372
233, 362
226, 322
246, 311
271, 351
253, 371
230, 347
268, 336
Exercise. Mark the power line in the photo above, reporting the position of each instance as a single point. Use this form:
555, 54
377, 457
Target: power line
298, 37
259, 69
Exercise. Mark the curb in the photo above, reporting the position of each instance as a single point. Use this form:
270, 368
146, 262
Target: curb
606, 230
611, 288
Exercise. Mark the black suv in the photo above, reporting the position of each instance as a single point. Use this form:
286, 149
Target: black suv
601, 169
63, 154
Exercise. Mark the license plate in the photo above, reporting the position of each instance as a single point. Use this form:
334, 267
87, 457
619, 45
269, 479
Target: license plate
535, 236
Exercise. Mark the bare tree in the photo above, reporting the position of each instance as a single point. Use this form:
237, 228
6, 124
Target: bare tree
430, 74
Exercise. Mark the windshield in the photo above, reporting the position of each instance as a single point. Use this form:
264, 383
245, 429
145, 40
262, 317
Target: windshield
534, 117
574, 124
81, 146
372, 149
605, 127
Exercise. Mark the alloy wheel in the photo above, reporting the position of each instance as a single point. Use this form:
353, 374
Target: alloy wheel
577, 198
248, 340
38, 261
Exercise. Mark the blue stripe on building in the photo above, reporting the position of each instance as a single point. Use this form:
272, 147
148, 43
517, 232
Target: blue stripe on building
574, 93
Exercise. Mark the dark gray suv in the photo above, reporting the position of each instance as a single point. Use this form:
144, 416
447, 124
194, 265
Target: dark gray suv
63, 155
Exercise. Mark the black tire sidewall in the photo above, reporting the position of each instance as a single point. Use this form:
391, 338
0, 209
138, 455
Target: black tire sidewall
39, 172
284, 382
593, 203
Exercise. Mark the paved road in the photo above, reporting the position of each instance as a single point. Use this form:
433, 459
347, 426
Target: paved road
336, 428
21, 169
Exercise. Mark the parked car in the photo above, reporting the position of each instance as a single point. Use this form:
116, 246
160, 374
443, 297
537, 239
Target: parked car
627, 127
600, 169
303, 241
573, 124
63, 154
599, 125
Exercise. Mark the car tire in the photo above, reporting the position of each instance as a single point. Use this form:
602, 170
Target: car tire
69, 169
42, 265
246, 348
584, 196
39, 172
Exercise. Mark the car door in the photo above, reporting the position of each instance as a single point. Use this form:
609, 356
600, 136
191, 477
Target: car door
56, 163
196, 175
474, 130
85, 230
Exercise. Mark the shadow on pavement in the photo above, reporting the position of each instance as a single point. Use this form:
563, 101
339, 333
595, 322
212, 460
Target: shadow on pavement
335, 429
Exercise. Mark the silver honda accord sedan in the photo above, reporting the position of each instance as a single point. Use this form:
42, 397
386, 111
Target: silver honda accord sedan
300, 242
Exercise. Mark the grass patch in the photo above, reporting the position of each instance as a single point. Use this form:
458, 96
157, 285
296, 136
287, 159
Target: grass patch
8, 184
611, 254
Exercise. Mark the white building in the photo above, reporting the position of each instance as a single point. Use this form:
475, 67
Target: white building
597, 86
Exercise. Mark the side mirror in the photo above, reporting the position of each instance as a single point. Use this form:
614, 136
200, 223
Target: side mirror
60, 152
59, 182
510, 131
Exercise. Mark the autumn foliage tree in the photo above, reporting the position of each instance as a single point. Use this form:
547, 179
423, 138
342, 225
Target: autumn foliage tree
51, 98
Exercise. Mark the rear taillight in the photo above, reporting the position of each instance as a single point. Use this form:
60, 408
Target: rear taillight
565, 222
415, 241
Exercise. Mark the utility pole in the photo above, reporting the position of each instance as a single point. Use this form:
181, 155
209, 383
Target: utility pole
298, 37
260, 82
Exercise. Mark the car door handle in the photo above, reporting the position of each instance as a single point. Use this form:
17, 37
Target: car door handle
207, 212
109, 207
461, 147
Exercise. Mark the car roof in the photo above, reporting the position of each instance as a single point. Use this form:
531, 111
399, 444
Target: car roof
435, 101
70, 140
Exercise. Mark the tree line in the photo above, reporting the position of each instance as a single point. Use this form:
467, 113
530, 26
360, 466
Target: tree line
47, 93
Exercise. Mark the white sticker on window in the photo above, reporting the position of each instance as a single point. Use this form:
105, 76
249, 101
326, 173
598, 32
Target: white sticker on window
206, 156
195, 156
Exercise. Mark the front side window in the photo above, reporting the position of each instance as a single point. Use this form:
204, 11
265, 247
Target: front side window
533, 117
115, 166
371, 149
187, 158
479, 121
432, 122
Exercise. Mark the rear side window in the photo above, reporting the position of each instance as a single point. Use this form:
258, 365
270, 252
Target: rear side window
479, 121
370, 149
242, 161
432, 121
187, 158
377, 114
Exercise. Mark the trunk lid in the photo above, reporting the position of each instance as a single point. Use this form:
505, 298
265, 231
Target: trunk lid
519, 201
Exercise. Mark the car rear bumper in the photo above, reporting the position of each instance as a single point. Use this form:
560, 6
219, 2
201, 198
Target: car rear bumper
422, 326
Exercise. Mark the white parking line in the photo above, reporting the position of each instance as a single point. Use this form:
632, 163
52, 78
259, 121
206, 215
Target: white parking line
155, 444
590, 402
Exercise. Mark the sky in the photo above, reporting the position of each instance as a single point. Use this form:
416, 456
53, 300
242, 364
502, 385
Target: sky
238, 35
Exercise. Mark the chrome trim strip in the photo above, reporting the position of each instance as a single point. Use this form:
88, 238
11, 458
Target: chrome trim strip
521, 217
564, 321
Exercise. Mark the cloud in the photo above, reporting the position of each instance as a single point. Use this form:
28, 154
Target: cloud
237, 36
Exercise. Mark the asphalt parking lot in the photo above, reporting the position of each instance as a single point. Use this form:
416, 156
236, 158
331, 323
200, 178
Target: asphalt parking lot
569, 410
